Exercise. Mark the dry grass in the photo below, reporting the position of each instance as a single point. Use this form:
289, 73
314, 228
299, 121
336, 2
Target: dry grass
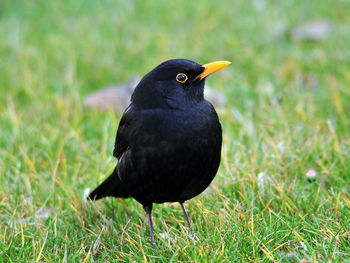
287, 113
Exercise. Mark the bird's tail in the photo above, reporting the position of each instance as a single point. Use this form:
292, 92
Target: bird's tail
112, 186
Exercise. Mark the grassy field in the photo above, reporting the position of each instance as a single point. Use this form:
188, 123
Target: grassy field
287, 111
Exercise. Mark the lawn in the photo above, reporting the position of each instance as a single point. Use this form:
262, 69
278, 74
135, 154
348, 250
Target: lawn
287, 112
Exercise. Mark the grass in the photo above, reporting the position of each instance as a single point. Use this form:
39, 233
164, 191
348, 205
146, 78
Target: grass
287, 112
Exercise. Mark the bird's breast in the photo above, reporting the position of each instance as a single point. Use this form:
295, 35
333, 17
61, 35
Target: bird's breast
174, 155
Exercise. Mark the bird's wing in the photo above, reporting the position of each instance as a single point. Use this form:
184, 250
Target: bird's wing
113, 186
123, 133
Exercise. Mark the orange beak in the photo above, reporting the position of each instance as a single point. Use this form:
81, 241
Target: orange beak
210, 68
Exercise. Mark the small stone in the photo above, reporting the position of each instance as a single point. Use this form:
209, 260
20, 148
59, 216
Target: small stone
261, 180
217, 98
115, 96
312, 30
164, 235
118, 96
302, 244
86, 194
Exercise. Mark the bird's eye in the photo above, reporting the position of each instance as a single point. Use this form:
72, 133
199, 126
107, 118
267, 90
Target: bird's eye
181, 77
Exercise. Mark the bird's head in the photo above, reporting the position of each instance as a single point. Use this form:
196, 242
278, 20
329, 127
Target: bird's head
174, 84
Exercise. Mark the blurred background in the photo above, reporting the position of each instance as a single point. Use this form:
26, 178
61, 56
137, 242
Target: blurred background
285, 112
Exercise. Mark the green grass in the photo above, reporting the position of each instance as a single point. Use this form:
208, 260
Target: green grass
287, 112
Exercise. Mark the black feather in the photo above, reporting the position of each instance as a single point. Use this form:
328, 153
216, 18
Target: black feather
112, 186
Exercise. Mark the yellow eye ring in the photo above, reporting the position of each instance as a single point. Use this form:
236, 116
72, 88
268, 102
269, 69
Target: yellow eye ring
181, 77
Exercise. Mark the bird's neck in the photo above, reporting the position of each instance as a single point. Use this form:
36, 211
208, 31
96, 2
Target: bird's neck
197, 94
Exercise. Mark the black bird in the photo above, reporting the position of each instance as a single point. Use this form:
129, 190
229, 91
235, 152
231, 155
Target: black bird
168, 142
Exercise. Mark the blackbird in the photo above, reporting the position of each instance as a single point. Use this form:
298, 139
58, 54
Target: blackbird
168, 142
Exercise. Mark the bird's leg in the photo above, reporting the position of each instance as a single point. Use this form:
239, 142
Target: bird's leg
186, 216
148, 209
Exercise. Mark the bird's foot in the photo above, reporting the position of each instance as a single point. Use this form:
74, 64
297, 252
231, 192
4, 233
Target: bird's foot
154, 246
